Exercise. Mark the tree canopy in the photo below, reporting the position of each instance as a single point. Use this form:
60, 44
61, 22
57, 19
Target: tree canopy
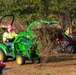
36, 10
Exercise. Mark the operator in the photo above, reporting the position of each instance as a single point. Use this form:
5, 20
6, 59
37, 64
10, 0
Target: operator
69, 31
9, 36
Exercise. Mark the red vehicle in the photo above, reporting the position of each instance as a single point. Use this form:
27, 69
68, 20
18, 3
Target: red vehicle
66, 44
2, 67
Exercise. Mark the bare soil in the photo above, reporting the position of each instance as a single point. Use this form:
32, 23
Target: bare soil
57, 65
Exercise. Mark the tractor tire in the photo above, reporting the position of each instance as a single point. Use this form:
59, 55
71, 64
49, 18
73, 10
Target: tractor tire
70, 49
3, 56
20, 60
60, 49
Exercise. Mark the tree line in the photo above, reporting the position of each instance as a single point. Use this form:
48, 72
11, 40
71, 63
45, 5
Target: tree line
28, 11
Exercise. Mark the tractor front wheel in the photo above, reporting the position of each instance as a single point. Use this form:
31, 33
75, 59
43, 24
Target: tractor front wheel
20, 60
3, 56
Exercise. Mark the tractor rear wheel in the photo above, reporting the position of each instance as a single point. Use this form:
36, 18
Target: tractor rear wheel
60, 48
20, 60
3, 56
70, 49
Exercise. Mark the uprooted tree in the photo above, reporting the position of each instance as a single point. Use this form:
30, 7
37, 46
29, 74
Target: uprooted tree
46, 37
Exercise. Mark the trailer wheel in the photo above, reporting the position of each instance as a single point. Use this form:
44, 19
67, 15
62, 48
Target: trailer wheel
3, 56
20, 60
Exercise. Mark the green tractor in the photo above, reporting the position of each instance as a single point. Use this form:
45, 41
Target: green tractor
23, 47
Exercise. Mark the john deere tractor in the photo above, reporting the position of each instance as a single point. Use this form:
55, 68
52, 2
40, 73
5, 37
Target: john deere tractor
23, 47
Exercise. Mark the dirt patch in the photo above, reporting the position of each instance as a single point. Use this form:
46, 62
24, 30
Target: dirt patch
56, 66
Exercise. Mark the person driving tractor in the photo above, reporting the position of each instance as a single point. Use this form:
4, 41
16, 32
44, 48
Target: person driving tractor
9, 36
